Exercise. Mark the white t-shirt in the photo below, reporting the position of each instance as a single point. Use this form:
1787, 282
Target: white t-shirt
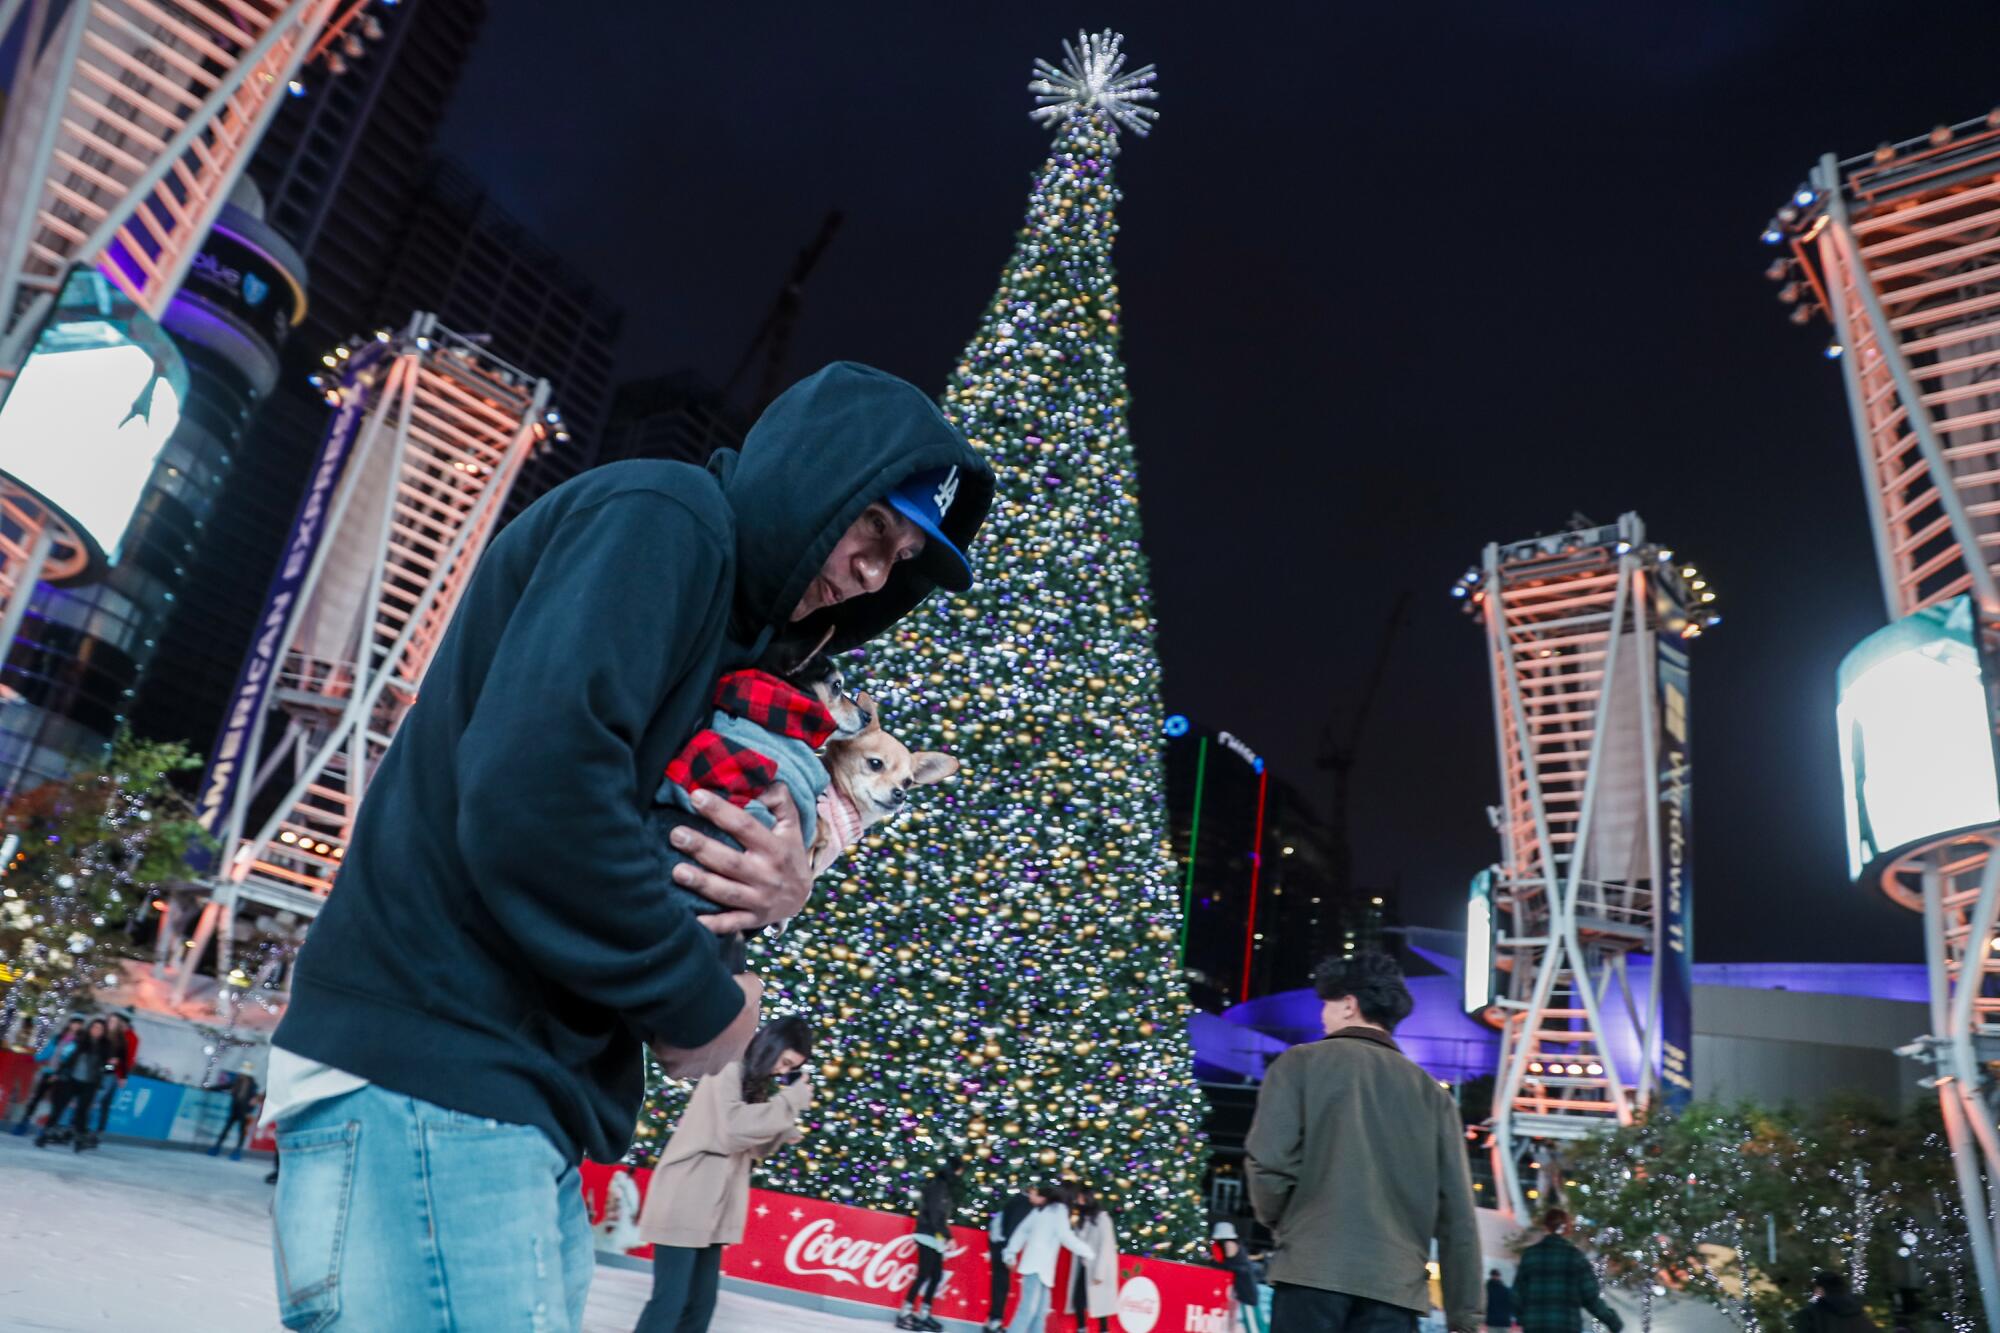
292, 1081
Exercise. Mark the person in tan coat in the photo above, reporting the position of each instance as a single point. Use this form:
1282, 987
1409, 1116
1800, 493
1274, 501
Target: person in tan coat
700, 1192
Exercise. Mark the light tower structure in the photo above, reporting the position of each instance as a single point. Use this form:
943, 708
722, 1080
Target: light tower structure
127, 127
1586, 634
1900, 250
429, 432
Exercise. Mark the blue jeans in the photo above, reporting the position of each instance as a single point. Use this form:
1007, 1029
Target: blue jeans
1033, 1312
396, 1214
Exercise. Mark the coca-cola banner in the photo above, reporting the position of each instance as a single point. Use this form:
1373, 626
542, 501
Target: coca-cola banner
838, 1253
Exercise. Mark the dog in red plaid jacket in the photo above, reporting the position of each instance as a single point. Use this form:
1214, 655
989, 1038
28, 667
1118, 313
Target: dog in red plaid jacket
767, 729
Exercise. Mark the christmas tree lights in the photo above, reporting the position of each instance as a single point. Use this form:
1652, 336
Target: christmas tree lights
994, 974
92, 852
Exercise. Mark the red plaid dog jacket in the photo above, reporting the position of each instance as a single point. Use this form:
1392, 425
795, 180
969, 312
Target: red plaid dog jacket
712, 762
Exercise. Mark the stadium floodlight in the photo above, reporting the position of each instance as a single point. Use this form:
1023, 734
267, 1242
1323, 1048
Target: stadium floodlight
1896, 245
125, 129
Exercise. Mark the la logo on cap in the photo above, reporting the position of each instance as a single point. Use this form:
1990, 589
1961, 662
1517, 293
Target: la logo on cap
947, 491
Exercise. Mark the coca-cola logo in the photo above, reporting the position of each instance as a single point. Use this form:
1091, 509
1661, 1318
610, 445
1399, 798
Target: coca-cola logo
819, 1250
1138, 1305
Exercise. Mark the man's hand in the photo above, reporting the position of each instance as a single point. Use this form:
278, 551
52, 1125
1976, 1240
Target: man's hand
769, 880
727, 1047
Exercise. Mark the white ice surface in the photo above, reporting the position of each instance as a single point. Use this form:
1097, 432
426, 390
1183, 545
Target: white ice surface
131, 1238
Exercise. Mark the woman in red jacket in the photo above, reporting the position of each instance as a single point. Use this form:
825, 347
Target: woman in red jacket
122, 1047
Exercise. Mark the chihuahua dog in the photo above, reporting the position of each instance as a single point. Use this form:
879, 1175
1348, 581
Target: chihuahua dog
869, 777
768, 728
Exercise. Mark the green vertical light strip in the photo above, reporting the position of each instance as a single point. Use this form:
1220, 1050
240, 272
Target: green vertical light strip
1194, 837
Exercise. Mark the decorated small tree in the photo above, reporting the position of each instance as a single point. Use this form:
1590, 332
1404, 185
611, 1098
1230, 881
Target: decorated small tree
1739, 1205
996, 972
92, 851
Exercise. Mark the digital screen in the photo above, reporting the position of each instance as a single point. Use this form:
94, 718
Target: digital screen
1916, 738
92, 408
1479, 940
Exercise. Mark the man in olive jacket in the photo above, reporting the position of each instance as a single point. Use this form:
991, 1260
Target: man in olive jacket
1356, 1162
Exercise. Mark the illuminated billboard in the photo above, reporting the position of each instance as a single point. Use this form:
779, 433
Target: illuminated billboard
91, 409
1916, 734
1480, 932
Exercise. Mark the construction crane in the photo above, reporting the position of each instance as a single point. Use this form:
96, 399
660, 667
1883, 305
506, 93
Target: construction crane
1337, 753
774, 335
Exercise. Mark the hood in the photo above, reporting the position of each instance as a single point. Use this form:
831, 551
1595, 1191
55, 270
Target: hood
824, 450
1845, 1303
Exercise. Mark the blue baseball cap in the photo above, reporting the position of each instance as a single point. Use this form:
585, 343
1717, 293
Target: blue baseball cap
925, 498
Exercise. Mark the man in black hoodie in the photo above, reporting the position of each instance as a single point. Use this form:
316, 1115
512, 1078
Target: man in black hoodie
467, 1013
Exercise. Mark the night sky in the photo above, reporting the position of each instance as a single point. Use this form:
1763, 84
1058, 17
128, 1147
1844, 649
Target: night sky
1398, 281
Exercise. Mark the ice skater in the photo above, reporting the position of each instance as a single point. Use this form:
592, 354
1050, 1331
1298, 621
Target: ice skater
45, 1079
79, 1067
501, 943
123, 1053
241, 1111
1093, 1288
1032, 1254
699, 1199
1246, 1294
935, 1202
999, 1231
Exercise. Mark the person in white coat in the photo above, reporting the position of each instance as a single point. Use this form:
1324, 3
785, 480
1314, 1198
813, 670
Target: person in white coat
1093, 1288
1032, 1250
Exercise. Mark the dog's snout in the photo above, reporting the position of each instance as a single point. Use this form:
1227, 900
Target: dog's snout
898, 796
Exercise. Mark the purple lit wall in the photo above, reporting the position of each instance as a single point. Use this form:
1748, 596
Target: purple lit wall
1437, 1034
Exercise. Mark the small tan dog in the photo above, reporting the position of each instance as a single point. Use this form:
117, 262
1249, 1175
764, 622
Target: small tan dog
869, 774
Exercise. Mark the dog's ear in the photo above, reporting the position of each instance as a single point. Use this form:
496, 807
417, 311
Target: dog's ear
928, 766
866, 703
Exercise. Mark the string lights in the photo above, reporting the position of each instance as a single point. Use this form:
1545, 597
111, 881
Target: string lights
994, 973
91, 855
1737, 1206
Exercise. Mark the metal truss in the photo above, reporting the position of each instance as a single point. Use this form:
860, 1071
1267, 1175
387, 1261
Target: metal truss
1901, 250
129, 124
1570, 625
446, 431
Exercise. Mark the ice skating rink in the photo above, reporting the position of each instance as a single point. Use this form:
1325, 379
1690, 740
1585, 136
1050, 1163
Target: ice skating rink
132, 1238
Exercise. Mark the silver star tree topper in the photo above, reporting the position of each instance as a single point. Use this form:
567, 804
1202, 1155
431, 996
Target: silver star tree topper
1090, 80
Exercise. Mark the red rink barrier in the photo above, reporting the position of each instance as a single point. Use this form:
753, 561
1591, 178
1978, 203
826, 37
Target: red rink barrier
17, 1079
832, 1251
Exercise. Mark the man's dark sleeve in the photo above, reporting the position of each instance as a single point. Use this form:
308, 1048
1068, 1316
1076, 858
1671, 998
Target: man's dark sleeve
1274, 1151
549, 819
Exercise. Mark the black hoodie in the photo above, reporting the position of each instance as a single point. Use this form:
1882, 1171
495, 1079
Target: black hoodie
500, 940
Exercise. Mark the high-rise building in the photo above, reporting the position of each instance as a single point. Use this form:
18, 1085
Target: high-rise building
678, 416
465, 258
342, 166
1255, 859
83, 653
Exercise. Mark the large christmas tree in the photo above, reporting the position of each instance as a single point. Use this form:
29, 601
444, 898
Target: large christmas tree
995, 973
